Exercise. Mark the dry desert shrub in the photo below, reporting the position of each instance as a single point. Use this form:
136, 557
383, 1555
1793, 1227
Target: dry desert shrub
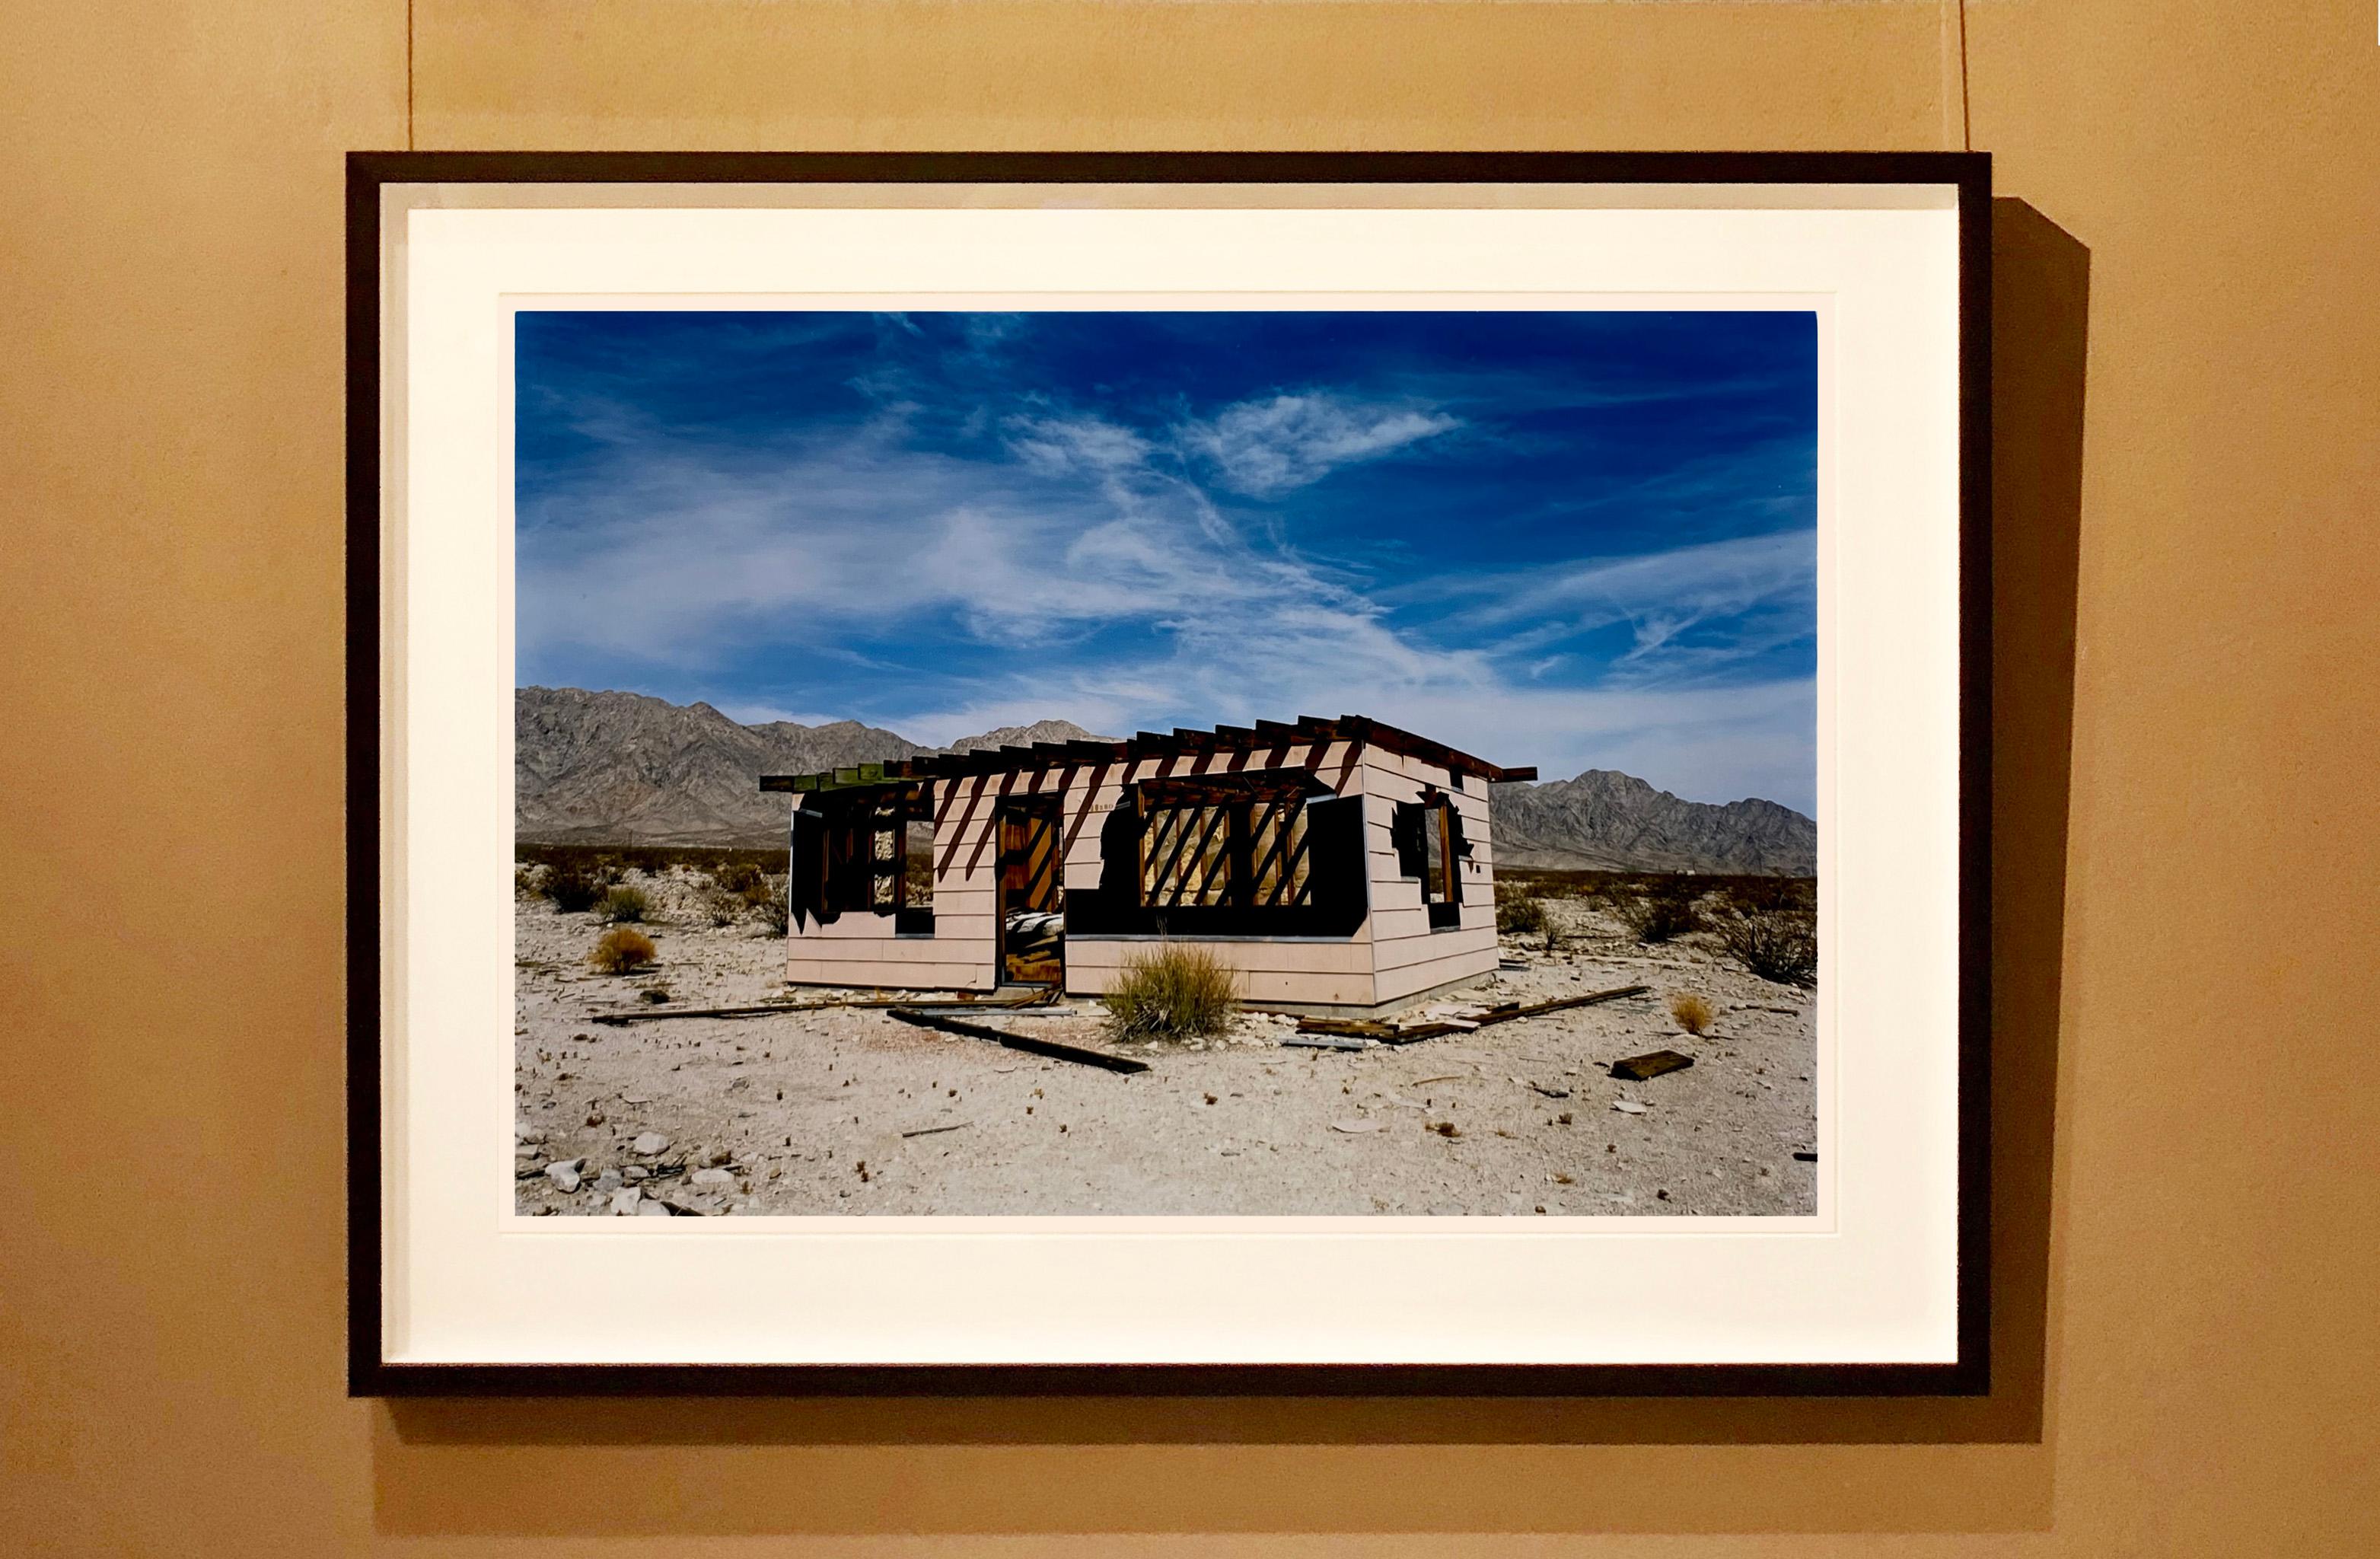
736, 877
573, 886
1519, 912
622, 951
767, 904
624, 904
1693, 1014
1661, 911
1775, 944
1173, 992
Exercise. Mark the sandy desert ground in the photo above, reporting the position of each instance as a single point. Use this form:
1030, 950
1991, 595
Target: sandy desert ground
850, 1110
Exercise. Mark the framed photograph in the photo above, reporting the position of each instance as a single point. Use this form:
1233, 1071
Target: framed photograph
1168, 774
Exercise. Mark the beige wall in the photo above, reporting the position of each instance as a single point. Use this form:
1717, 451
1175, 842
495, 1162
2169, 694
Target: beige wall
2188, 1071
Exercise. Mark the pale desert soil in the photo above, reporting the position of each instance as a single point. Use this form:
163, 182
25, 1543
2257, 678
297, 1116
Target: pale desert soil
835, 1111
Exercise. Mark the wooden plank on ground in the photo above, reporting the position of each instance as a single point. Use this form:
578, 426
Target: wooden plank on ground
1403, 1034
1030, 1044
1039, 996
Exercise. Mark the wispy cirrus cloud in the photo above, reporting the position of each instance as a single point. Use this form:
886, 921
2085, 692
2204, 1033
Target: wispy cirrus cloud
1272, 446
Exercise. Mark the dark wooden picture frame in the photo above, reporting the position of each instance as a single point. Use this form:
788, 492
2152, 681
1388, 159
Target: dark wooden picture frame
370, 1373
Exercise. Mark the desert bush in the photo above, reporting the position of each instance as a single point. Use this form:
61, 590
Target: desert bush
573, 886
1660, 910
1519, 912
623, 904
1173, 992
528, 881
767, 905
622, 951
1691, 1013
1775, 944
719, 907
1759, 894
737, 877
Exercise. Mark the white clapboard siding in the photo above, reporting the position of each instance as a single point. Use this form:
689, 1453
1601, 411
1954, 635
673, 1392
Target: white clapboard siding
1259, 987
1269, 956
904, 975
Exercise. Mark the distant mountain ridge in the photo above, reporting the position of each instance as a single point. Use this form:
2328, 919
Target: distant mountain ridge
626, 768
619, 768
1611, 822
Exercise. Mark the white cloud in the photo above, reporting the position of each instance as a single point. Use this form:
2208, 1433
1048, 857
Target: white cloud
1763, 588
1062, 445
1266, 447
688, 559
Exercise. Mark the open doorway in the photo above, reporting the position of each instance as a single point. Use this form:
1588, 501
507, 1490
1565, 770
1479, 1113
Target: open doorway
1032, 892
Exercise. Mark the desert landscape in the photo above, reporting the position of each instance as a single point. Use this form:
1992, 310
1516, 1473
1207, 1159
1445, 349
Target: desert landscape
813, 1107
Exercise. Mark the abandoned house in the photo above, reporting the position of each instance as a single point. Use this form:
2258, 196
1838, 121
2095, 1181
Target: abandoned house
1332, 864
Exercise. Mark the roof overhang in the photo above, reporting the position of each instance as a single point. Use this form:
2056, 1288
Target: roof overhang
1264, 736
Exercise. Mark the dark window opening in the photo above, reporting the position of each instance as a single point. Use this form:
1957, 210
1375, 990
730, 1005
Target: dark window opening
867, 852
1255, 854
1430, 847
1202, 851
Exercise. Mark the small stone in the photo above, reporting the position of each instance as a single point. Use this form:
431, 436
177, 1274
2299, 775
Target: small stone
651, 1143
566, 1174
626, 1203
634, 1172
652, 1210
710, 1178
610, 1180
1629, 1106
527, 1134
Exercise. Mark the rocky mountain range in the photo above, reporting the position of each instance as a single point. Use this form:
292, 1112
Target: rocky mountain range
1611, 822
623, 768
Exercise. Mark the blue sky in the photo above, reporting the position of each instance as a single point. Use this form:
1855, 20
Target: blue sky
1577, 540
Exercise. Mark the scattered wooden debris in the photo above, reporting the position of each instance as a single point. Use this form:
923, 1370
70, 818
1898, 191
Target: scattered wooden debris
1653, 1064
937, 1130
1551, 1092
1404, 1034
1039, 996
1357, 1124
1325, 1042
1026, 1042
1630, 1106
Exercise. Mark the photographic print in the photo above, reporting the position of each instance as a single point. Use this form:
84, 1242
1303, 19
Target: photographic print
1125, 736
1249, 762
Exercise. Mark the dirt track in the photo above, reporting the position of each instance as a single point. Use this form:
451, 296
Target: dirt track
850, 1110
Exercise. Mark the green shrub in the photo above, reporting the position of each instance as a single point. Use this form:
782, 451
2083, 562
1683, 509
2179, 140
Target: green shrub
1519, 912
624, 904
1775, 944
622, 951
1173, 992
